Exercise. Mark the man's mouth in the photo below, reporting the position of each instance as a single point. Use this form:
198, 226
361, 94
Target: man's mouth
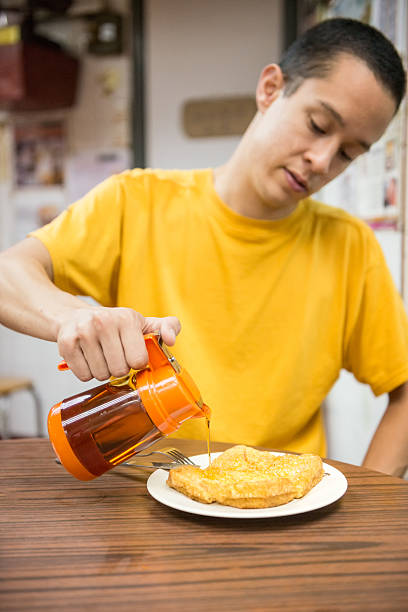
296, 182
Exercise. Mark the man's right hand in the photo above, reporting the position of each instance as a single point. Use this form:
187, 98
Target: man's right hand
99, 342
95, 341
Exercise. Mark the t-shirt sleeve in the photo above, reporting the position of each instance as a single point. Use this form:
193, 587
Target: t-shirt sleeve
85, 243
376, 351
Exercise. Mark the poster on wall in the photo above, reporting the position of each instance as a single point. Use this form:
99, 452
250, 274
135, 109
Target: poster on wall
39, 149
372, 187
88, 168
38, 172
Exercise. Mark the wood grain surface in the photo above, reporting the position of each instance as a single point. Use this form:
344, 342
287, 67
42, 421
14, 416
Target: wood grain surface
107, 545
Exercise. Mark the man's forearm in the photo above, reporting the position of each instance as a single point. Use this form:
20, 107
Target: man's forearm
95, 341
388, 451
30, 303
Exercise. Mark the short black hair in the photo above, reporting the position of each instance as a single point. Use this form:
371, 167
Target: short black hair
312, 55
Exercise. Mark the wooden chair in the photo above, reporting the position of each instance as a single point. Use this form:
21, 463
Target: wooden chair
10, 385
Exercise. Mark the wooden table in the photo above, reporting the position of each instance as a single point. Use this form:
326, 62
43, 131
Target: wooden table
107, 545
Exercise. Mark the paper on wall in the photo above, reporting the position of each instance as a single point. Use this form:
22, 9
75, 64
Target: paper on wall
87, 169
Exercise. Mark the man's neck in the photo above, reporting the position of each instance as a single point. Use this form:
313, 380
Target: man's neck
236, 191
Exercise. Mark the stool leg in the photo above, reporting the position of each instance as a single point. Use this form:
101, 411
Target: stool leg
4, 418
38, 411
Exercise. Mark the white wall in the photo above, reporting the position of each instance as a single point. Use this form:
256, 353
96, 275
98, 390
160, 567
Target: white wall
194, 49
202, 49
98, 124
351, 409
189, 55
198, 49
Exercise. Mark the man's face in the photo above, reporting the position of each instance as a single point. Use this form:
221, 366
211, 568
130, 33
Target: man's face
302, 141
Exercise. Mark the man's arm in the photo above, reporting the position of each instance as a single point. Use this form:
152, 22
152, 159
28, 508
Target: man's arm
95, 341
388, 450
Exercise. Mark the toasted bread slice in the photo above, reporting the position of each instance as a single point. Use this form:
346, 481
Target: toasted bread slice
247, 478
242, 489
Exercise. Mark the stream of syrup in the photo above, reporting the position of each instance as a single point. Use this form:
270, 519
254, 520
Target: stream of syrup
208, 441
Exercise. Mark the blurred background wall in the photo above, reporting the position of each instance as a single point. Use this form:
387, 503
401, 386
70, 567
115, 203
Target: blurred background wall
192, 50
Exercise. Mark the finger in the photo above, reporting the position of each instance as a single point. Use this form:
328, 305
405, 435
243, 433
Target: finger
95, 358
131, 335
102, 341
77, 363
70, 350
112, 348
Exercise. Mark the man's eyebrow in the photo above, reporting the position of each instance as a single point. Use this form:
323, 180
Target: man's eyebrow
340, 121
333, 112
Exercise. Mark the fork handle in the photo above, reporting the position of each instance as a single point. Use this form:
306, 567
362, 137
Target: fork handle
155, 465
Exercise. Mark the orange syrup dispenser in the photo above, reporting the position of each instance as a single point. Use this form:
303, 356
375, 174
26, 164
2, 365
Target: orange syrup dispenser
96, 430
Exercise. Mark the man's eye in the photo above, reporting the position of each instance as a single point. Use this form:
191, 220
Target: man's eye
316, 128
344, 155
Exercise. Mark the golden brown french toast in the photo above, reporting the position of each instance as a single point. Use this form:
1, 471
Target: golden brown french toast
248, 478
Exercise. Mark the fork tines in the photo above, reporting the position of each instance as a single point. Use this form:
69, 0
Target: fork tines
178, 456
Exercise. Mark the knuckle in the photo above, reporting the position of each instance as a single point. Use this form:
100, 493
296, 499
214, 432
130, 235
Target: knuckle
119, 371
80, 372
139, 361
101, 376
127, 315
99, 320
84, 377
99, 369
66, 345
80, 330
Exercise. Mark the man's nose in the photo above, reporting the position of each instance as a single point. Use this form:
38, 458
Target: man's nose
320, 156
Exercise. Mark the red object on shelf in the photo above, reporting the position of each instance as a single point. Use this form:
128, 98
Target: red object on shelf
35, 77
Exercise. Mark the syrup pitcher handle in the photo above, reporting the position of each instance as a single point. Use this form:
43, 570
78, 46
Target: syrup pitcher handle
63, 366
157, 353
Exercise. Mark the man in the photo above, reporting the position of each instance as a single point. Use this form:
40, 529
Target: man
276, 292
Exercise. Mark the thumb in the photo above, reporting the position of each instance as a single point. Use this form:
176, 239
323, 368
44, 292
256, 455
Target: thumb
168, 328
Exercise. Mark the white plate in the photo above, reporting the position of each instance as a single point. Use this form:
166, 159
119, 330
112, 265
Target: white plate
332, 486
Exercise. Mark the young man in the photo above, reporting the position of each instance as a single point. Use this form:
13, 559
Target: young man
276, 292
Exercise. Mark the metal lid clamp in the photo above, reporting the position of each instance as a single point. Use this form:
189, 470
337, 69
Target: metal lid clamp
168, 393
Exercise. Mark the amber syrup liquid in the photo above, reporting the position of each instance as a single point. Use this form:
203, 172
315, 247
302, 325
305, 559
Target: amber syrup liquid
107, 425
208, 441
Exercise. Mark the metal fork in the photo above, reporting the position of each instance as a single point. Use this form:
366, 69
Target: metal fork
154, 465
178, 458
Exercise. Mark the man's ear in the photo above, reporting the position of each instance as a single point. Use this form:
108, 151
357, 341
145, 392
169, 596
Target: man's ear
270, 85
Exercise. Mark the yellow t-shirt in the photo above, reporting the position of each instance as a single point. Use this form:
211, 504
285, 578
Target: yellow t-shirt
270, 310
